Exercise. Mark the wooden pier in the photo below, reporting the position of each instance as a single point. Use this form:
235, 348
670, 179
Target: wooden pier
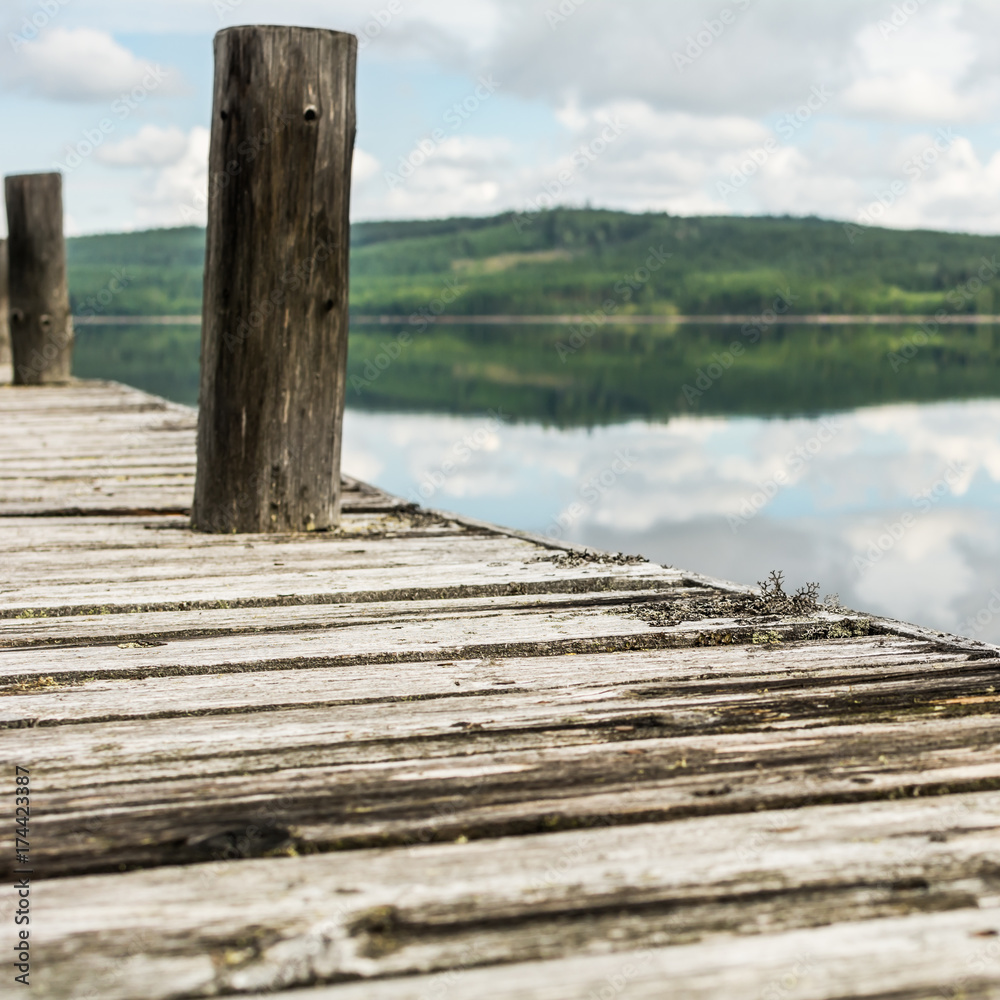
420, 757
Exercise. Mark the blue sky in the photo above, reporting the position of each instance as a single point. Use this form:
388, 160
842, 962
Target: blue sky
887, 112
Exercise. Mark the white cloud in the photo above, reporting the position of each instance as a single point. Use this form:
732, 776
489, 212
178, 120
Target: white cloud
919, 71
461, 176
365, 166
648, 159
687, 129
151, 146
82, 64
175, 193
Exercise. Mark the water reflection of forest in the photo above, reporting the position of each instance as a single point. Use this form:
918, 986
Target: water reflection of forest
548, 374
560, 375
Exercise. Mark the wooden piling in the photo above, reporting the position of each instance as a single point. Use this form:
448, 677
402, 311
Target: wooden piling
5, 367
274, 334
41, 327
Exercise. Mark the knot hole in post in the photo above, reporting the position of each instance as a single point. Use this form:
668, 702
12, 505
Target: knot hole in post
45, 322
17, 315
310, 114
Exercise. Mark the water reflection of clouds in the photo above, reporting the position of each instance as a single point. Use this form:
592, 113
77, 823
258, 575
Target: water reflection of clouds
689, 474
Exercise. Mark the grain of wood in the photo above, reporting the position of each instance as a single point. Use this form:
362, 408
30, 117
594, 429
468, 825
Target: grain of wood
124, 575
138, 457
911, 958
144, 795
166, 625
514, 632
41, 327
602, 892
838, 677
274, 332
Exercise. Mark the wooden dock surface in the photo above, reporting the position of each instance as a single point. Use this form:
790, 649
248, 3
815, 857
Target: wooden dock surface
421, 757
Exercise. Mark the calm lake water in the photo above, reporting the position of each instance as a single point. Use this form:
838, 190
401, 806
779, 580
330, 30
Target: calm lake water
895, 508
865, 459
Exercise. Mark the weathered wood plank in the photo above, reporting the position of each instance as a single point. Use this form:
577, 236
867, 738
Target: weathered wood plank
700, 675
139, 454
951, 955
26, 402
151, 793
149, 564
167, 625
265, 924
522, 631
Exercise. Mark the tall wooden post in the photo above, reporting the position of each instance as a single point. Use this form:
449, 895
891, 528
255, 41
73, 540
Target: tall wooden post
41, 328
5, 369
274, 333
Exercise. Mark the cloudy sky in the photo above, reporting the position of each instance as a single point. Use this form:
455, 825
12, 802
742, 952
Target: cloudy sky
856, 109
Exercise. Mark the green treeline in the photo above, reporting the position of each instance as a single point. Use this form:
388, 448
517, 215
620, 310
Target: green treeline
573, 260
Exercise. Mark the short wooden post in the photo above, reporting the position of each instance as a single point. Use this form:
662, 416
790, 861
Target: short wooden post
5, 369
274, 333
41, 327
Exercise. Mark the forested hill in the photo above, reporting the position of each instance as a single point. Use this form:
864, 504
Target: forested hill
573, 260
